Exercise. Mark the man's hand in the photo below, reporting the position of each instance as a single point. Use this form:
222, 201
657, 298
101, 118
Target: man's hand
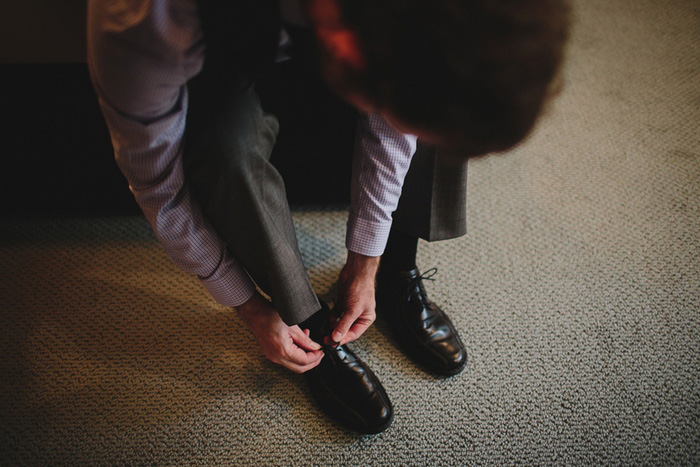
356, 297
288, 346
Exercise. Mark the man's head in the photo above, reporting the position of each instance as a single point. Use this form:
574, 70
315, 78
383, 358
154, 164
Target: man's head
472, 75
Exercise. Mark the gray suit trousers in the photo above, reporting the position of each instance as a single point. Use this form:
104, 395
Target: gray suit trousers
228, 142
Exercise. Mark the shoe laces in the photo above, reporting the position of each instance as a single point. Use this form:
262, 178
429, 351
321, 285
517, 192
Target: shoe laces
333, 348
417, 283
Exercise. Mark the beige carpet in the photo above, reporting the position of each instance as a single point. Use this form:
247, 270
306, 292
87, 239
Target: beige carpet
576, 290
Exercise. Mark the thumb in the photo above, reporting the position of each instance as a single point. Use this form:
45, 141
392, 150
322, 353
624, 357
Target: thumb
301, 339
342, 327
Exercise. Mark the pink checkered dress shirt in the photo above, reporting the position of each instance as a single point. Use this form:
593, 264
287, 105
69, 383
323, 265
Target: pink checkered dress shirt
141, 54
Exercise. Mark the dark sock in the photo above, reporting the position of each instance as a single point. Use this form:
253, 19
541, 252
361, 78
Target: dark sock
317, 323
400, 253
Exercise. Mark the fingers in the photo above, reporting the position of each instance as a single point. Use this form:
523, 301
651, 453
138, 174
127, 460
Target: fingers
294, 358
356, 297
302, 339
352, 325
343, 326
356, 330
288, 346
299, 361
301, 354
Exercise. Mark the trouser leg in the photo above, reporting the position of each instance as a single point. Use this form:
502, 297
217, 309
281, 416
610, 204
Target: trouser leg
433, 204
228, 142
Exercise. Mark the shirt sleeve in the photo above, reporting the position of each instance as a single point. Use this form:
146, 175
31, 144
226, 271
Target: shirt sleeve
380, 162
141, 54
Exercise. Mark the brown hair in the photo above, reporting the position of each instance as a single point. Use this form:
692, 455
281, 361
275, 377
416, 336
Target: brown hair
475, 71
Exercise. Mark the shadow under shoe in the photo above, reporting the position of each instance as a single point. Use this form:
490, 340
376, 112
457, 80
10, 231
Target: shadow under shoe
346, 389
423, 331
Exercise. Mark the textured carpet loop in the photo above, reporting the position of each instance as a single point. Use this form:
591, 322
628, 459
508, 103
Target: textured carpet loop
576, 292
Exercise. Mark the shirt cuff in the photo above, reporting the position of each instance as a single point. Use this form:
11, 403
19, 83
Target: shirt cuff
229, 284
367, 237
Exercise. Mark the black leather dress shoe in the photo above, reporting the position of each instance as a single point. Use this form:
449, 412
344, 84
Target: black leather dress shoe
420, 327
344, 386
347, 390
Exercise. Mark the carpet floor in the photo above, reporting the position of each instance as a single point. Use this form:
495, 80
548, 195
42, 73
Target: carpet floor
576, 291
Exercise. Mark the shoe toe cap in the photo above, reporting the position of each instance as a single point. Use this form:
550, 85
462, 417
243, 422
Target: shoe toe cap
456, 362
378, 414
